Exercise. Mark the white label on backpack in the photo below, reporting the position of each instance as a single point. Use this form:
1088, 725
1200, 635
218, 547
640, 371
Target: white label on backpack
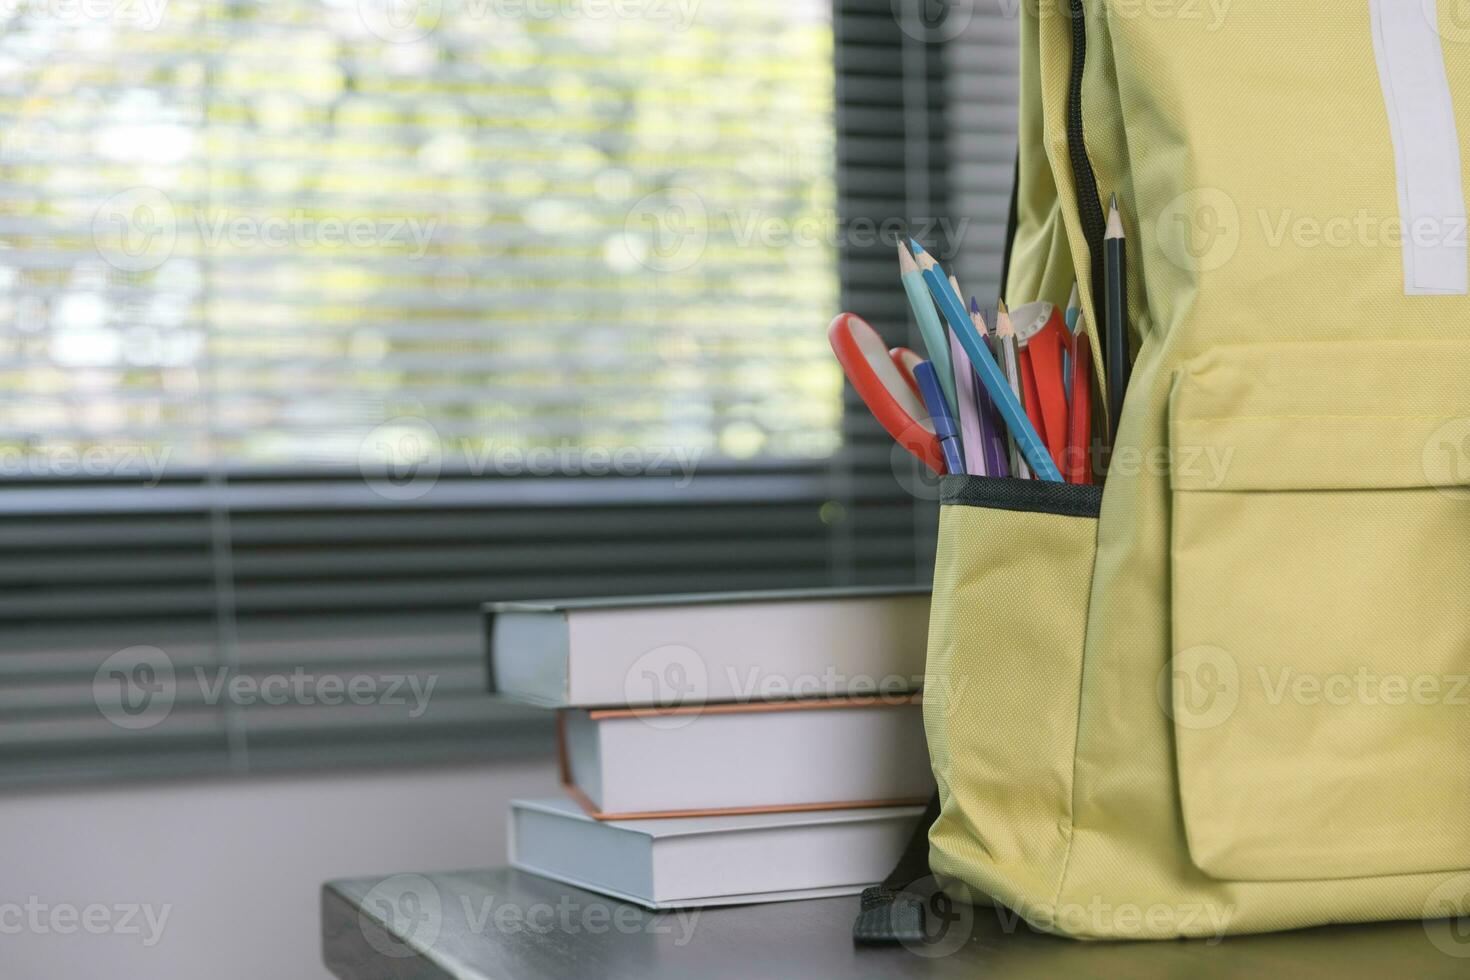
1426, 147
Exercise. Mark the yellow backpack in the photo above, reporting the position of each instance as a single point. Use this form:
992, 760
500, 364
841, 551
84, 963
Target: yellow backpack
1228, 692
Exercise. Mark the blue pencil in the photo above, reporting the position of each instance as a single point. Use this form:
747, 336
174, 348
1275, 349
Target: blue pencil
943, 422
1020, 427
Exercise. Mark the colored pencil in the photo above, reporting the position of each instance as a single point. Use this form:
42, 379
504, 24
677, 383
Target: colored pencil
1079, 430
930, 328
972, 430
1070, 318
1031, 390
992, 428
1009, 406
1041, 373
954, 284
1010, 369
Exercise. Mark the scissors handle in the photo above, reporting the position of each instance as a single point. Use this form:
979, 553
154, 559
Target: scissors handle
906, 360
882, 387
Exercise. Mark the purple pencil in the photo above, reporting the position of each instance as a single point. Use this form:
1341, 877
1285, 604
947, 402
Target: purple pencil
997, 454
967, 414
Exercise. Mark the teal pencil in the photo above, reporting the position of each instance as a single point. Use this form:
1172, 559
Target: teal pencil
983, 361
930, 328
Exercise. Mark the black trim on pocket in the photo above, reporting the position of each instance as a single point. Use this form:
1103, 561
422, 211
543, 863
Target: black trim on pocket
1026, 496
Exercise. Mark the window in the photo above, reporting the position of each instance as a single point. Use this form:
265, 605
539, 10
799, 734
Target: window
318, 234
325, 322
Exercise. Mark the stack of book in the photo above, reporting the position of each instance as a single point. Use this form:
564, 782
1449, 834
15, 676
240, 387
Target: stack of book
721, 749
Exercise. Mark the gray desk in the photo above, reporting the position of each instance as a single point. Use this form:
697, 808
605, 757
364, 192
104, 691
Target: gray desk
507, 925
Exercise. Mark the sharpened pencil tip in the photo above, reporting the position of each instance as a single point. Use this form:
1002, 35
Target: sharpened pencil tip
1001, 309
906, 263
977, 319
914, 244
1113, 202
1115, 221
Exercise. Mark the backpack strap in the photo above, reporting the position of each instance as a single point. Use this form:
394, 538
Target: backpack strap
890, 912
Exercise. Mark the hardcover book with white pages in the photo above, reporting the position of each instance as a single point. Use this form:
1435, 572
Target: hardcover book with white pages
698, 861
734, 758
679, 650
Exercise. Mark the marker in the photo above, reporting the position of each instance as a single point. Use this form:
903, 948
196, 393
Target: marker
939, 417
1028, 442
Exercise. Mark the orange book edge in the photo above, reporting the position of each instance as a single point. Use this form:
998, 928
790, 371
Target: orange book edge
743, 707
582, 800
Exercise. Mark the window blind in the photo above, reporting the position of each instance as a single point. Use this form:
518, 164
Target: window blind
320, 325
926, 110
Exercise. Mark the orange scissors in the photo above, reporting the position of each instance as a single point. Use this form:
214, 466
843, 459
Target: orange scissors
884, 388
906, 360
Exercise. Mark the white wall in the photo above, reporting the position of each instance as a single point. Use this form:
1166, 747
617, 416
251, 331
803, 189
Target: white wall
236, 865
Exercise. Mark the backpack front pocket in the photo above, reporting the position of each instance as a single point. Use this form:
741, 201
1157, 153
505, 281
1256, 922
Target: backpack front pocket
1319, 684
1003, 681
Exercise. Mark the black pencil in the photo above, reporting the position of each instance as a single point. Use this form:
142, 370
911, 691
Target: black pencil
1115, 316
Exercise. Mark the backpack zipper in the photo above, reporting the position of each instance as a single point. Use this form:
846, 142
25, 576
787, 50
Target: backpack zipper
1089, 205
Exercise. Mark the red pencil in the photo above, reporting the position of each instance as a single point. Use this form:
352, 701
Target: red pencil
1030, 397
1044, 353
